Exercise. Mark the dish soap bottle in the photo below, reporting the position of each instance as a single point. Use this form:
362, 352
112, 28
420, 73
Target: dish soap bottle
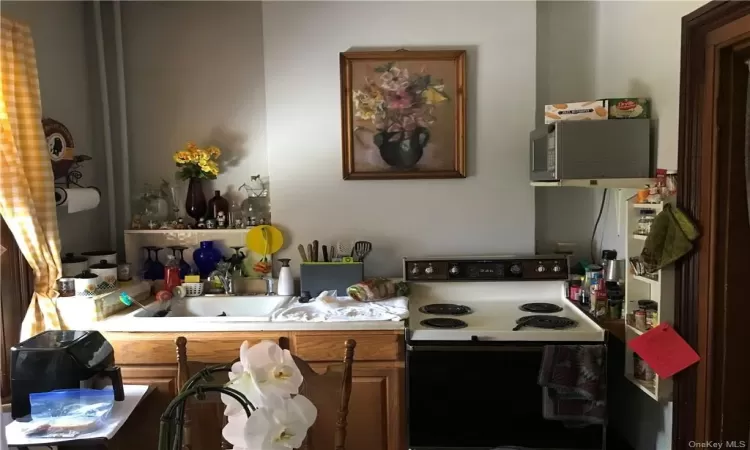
171, 274
286, 282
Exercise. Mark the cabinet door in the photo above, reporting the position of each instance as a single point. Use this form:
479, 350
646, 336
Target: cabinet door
375, 420
141, 431
375, 410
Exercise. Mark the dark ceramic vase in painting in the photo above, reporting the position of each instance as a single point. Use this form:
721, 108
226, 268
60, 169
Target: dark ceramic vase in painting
402, 150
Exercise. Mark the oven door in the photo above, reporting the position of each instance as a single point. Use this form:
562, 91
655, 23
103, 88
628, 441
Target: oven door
483, 396
543, 150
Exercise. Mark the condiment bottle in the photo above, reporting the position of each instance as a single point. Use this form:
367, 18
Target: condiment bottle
171, 274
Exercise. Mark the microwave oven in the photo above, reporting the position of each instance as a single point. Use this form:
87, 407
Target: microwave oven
592, 149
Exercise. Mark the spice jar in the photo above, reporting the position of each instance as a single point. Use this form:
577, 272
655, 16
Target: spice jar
651, 310
574, 290
640, 320
614, 305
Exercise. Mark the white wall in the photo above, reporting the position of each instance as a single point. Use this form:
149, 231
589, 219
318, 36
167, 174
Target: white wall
491, 211
638, 54
66, 90
194, 72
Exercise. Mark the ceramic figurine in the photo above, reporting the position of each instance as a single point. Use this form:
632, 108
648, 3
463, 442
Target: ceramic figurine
165, 225
201, 223
180, 224
248, 223
135, 223
238, 223
253, 221
152, 225
210, 224
262, 220
221, 219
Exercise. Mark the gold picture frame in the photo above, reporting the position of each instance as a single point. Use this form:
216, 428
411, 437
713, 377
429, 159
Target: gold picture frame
403, 114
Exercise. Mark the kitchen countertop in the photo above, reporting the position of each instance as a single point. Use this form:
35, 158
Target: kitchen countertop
124, 321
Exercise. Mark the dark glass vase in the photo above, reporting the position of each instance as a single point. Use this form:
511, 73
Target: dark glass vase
218, 209
195, 203
206, 258
401, 150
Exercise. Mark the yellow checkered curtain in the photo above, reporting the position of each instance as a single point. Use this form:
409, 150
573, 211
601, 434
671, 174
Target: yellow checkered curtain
27, 198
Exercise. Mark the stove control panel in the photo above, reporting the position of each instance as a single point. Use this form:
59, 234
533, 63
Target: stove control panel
486, 269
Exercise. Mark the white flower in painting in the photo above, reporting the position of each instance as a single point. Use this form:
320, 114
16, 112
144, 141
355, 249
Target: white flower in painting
281, 428
265, 374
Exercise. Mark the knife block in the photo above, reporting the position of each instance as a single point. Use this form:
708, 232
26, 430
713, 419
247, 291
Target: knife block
317, 277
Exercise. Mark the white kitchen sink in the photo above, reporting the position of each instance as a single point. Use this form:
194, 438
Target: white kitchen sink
249, 308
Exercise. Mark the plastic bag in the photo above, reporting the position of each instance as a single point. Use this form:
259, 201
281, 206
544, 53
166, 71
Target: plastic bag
377, 289
67, 413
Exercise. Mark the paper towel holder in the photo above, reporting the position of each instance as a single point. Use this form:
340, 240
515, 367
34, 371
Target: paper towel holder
71, 179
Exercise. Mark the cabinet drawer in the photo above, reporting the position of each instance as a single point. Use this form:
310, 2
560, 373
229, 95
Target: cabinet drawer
206, 347
375, 346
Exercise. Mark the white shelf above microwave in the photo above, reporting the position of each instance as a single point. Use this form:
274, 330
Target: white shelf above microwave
610, 183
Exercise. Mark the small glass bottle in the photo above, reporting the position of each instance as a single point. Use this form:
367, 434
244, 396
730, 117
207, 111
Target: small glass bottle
218, 209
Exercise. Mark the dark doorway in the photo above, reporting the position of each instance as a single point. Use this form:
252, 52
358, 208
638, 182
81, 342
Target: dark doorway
712, 398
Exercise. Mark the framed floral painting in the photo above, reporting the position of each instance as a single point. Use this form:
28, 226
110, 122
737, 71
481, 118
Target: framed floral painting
403, 114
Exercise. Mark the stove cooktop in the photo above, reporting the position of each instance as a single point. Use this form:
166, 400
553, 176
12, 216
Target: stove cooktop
540, 307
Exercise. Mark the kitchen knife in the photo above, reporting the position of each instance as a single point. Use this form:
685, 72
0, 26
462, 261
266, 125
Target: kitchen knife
301, 250
325, 253
315, 250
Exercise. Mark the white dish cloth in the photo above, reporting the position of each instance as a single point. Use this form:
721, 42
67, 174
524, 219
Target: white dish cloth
326, 308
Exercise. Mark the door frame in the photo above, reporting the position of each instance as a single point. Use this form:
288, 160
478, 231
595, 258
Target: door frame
698, 158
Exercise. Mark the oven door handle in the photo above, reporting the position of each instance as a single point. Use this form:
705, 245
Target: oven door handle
473, 348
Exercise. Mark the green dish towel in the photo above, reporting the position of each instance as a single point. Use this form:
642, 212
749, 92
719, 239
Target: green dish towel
671, 237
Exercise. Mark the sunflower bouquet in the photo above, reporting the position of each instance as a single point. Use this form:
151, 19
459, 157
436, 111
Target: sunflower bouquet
194, 162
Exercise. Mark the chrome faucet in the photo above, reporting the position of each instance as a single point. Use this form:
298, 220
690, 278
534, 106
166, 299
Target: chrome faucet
226, 279
269, 286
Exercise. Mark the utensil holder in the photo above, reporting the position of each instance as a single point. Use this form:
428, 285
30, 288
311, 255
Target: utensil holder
316, 277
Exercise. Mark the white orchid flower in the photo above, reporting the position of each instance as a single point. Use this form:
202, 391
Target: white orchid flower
265, 374
280, 428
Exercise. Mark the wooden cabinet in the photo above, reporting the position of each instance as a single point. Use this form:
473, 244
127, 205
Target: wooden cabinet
141, 431
376, 418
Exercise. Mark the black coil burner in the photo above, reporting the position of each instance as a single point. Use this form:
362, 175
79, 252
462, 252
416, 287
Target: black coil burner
540, 308
548, 322
447, 309
444, 322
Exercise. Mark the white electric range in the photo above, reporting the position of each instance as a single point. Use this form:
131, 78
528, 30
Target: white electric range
476, 335
494, 299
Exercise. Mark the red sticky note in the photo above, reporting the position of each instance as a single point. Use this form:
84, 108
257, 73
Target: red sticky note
665, 351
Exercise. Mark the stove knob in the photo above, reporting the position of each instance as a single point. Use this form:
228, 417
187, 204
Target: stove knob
540, 268
556, 268
454, 269
515, 269
429, 270
415, 269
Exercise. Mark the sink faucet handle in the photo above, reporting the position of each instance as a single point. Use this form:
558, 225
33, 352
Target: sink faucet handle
269, 286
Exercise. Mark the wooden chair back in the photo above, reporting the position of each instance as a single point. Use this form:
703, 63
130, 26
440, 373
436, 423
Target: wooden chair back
328, 388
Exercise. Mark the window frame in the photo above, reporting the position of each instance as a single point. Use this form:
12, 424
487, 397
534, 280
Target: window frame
16, 290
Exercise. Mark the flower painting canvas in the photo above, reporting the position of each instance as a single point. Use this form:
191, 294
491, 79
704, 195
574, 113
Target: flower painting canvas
403, 114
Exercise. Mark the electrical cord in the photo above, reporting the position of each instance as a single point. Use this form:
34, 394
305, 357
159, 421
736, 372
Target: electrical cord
596, 225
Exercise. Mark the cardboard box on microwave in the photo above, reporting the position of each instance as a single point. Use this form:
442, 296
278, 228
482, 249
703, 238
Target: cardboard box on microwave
591, 110
629, 108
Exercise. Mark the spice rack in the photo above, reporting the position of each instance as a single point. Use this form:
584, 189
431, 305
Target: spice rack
659, 289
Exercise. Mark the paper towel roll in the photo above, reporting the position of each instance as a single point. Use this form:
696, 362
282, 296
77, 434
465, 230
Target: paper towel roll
77, 199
